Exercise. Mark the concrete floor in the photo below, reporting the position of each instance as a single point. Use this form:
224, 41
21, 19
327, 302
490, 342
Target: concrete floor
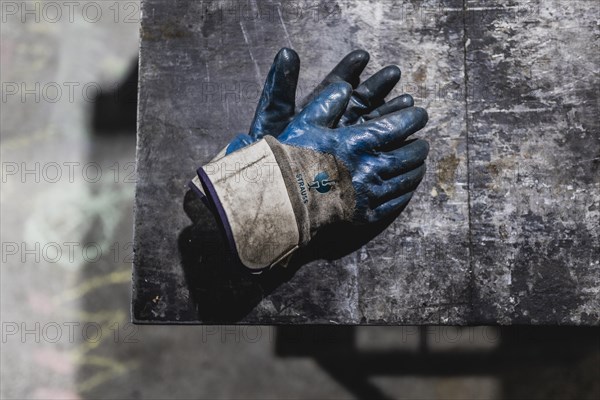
65, 276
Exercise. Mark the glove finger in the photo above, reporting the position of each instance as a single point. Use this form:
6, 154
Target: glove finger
276, 106
397, 186
390, 209
396, 104
404, 159
390, 130
329, 105
371, 94
347, 70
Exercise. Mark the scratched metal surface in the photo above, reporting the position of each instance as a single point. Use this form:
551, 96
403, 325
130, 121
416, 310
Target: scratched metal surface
534, 146
502, 230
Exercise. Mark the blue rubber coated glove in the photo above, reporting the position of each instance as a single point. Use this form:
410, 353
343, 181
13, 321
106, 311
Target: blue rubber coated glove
385, 168
276, 107
273, 196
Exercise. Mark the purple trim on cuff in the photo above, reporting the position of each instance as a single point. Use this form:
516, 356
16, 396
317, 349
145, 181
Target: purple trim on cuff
198, 193
215, 204
211, 199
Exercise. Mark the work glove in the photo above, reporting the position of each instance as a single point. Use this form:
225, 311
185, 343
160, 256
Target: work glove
277, 106
275, 194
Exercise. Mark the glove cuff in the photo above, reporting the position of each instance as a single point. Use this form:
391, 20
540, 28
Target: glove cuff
195, 183
319, 186
272, 198
247, 191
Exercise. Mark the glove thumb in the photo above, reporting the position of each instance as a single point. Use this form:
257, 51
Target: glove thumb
276, 106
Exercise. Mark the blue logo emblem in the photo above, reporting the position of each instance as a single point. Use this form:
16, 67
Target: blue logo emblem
321, 183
